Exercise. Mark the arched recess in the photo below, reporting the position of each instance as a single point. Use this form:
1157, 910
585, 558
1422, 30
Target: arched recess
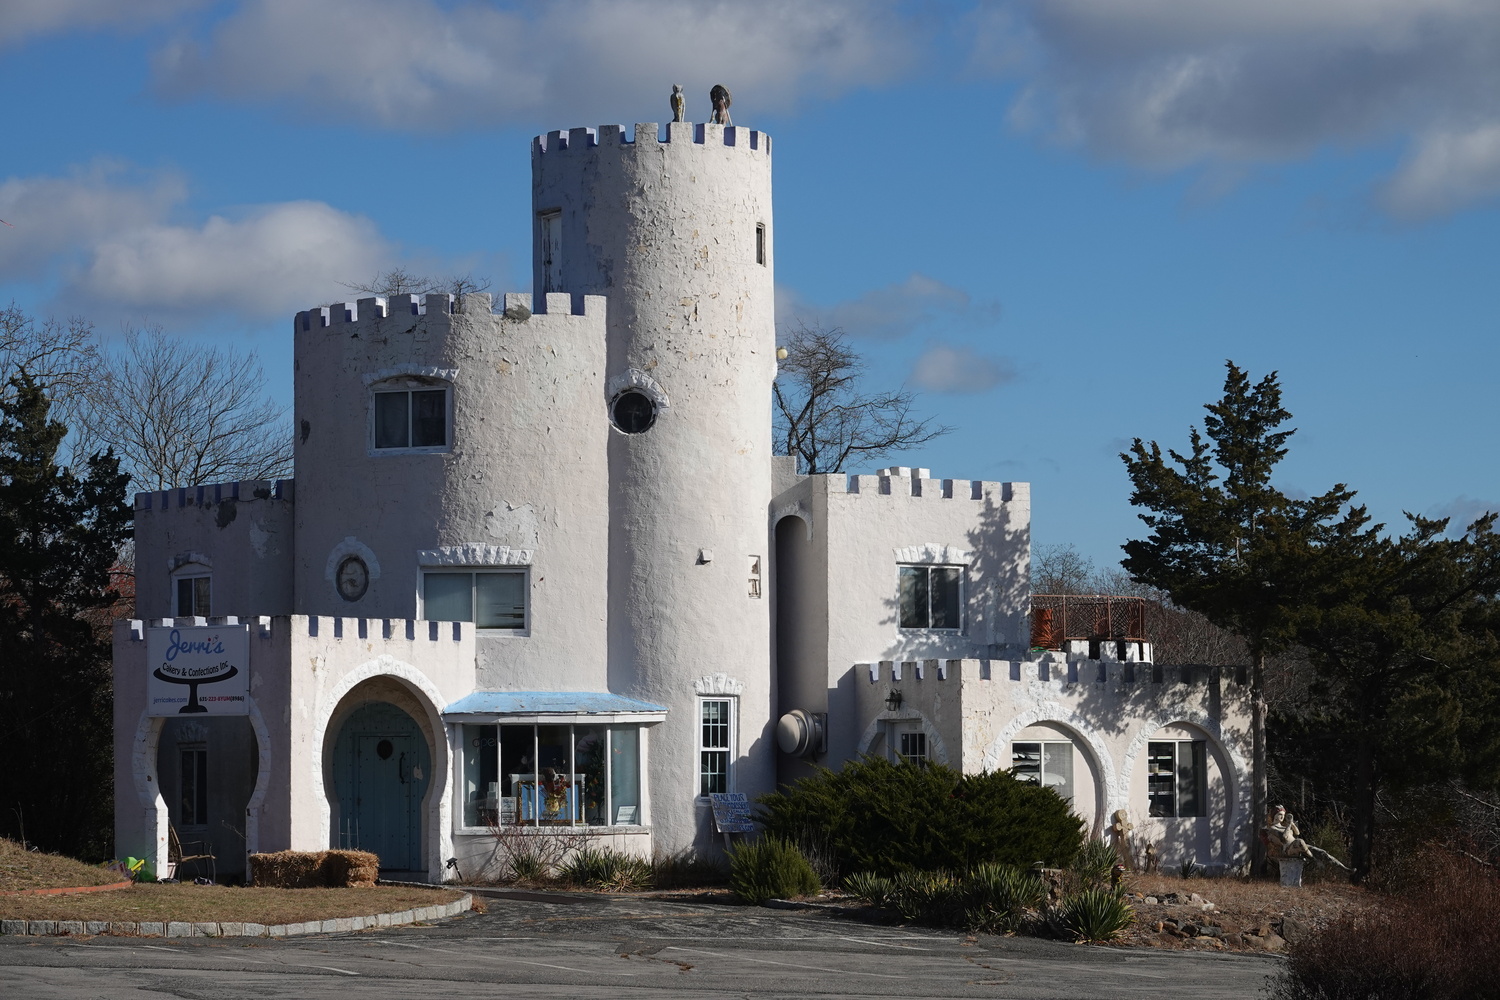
800, 627
1106, 781
1236, 771
937, 750
388, 679
152, 808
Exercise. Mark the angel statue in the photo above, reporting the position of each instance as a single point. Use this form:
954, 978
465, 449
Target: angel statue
721, 102
1284, 839
679, 104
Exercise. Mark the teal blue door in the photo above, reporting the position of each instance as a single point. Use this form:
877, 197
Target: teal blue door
381, 769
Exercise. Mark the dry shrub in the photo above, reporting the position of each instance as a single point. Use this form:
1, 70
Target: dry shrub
314, 869
1436, 940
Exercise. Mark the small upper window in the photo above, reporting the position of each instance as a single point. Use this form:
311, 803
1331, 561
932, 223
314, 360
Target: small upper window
633, 411
551, 227
408, 418
193, 593
1176, 777
488, 598
931, 597
760, 243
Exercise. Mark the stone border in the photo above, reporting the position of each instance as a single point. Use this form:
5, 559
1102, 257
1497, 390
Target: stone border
68, 890
227, 928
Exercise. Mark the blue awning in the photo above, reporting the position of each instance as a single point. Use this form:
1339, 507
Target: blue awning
595, 705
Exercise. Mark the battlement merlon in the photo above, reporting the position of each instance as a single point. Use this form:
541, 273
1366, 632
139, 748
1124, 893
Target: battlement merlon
313, 626
209, 494
902, 481
1051, 668
439, 309
679, 134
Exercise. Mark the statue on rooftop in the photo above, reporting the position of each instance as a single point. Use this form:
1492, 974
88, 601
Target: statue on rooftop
679, 104
721, 101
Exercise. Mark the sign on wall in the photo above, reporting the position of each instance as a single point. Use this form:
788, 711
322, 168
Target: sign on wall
198, 670
732, 812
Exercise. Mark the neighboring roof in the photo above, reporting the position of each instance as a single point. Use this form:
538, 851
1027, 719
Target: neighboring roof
534, 703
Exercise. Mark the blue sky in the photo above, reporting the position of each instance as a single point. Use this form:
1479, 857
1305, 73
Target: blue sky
1055, 220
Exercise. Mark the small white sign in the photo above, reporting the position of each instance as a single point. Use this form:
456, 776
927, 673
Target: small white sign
198, 670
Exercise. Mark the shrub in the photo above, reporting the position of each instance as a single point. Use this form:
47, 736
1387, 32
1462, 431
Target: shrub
994, 898
877, 816
770, 868
1095, 915
999, 896
1436, 941
607, 869
1092, 866
869, 888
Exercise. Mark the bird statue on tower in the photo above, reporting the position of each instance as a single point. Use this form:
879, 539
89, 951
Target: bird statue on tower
679, 104
721, 101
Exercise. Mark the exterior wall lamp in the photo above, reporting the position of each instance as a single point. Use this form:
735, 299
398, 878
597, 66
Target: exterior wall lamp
893, 701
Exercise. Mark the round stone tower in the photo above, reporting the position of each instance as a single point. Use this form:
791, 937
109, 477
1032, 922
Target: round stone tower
676, 233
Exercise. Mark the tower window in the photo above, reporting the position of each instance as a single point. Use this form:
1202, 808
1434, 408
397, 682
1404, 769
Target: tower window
551, 226
193, 594
633, 411
760, 243
410, 418
931, 597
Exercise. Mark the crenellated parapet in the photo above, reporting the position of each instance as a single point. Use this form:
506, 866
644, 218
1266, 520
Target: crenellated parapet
1049, 669
575, 140
436, 313
265, 627
903, 481
209, 495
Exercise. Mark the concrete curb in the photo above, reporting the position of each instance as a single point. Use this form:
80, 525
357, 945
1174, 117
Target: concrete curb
224, 929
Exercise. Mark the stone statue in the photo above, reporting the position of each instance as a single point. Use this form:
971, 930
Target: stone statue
679, 104
721, 102
1284, 839
1121, 827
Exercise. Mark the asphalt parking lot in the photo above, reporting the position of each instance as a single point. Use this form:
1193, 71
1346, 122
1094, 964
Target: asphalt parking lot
603, 947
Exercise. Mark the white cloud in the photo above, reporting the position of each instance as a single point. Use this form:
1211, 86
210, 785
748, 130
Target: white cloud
887, 313
419, 64
1170, 83
959, 370
114, 242
1462, 511
22, 19
273, 261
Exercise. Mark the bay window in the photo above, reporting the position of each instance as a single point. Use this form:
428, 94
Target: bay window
551, 775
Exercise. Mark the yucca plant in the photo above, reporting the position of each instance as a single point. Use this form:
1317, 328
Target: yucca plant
1095, 915
999, 896
1093, 864
870, 888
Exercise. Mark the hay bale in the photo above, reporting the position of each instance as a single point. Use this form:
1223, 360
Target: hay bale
288, 869
351, 868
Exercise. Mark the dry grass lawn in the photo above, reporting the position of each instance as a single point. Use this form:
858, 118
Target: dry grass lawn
23, 869
1240, 907
213, 903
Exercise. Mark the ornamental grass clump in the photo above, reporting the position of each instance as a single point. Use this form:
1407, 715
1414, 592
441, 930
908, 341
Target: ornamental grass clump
606, 869
770, 868
1095, 915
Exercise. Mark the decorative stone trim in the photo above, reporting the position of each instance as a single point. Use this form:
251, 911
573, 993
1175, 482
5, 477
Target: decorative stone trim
192, 732
158, 928
797, 509
476, 554
937, 750
415, 371
634, 378
718, 684
350, 546
935, 554
181, 559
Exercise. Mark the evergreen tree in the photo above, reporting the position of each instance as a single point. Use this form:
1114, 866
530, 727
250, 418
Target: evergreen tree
60, 536
1228, 544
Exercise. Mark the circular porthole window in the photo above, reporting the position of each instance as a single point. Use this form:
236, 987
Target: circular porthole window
633, 411
384, 749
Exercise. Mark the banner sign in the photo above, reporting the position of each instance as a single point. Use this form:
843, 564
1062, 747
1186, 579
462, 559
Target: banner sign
731, 812
199, 669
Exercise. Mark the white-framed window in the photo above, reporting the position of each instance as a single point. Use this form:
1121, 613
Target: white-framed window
716, 722
566, 775
192, 786
911, 747
1049, 764
931, 598
192, 593
411, 414
1176, 777
490, 598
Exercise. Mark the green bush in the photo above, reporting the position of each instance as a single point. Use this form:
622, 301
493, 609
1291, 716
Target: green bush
877, 816
607, 869
770, 868
998, 897
994, 898
869, 888
1095, 915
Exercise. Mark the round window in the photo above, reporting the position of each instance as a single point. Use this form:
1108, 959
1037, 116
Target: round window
633, 411
384, 749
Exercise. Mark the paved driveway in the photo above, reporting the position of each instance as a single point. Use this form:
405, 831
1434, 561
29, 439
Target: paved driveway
590, 947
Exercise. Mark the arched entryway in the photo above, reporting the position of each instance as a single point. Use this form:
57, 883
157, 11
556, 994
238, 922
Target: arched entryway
381, 769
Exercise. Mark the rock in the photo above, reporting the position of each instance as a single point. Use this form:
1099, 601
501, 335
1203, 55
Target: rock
1207, 907
1275, 942
1190, 930
1150, 901
1293, 930
1208, 930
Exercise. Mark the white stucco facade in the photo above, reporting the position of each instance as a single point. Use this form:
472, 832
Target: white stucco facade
589, 466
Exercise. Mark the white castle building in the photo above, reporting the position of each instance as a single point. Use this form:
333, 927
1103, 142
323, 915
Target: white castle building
539, 567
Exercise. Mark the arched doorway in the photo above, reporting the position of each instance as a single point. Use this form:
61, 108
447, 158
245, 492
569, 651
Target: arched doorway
381, 766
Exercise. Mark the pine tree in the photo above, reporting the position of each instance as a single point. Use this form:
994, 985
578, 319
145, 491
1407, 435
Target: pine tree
1228, 544
60, 536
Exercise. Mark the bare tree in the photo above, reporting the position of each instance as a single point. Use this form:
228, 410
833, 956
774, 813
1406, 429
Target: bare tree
825, 417
59, 356
1062, 569
180, 414
400, 281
